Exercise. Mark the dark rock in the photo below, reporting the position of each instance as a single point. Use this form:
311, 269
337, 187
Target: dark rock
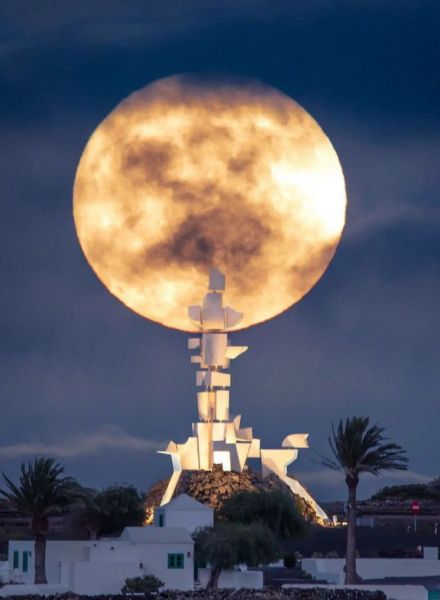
213, 487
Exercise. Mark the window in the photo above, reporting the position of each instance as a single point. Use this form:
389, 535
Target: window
175, 561
16, 559
161, 520
25, 562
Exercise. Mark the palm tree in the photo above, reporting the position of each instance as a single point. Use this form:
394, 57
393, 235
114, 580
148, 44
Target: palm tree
42, 490
358, 448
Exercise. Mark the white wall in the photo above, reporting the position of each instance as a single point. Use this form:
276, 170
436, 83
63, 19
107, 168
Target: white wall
154, 559
4, 571
22, 546
156, 562
331, 569
66, 560
113, 550
430, 553
252, 580
190, 519
56, 553
93, 578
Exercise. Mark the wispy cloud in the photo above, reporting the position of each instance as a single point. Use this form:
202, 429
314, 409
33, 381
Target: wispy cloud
328, 477
82, 445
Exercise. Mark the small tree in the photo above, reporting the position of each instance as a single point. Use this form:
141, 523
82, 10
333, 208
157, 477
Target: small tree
229, 544
358, 448
274, 508
215, 546
42, 490
112, 509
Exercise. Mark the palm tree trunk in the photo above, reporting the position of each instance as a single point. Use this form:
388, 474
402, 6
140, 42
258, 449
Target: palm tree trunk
351, 575
40, 558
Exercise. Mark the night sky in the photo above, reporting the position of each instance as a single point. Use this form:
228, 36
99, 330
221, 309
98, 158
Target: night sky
86, 380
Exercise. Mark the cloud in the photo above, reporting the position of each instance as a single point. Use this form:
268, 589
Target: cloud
331, 478
82, 445
114, 21
326, 485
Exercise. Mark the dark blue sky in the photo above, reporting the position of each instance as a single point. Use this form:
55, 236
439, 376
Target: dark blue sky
85, 379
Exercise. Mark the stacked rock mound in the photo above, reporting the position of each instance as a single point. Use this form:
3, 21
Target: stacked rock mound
213, 487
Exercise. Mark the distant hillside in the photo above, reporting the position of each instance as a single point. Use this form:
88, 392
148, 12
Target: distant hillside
395, 500
416, 491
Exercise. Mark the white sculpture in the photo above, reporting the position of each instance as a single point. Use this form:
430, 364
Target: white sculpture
218, 437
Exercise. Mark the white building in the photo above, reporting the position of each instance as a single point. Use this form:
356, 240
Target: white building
90, 567
184, 511
332, 569
102, 566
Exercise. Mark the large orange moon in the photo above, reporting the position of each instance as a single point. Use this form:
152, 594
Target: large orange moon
186, 174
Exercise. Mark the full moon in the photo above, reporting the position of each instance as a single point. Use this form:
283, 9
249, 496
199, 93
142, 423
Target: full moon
188, 174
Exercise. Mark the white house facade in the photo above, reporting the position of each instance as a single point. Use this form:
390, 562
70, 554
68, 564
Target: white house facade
102, 566
93, 567
184, 511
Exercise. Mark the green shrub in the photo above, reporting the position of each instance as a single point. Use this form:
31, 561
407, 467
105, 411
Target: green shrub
148, 584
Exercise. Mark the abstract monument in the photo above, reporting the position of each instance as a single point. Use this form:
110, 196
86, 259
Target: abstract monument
218, 438
188, 174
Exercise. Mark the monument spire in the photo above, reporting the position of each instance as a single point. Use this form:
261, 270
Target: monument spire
218, 438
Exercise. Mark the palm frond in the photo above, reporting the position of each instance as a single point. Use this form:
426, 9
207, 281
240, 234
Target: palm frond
42, 489
358, 448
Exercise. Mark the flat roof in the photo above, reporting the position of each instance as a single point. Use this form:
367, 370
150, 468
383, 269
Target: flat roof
185, 502
156, 535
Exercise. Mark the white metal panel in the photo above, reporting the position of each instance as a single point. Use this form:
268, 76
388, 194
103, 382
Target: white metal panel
188, 454
203, 405
231, 438
244, 434
277, 461
235, 463
204, 437
193, 343
220, 379
298, 489
234, 351
214, 347
296, 440
172, 447
232, 317
200, 377
222, 405
254, 450
213, 379
242, 453
218, 431
216, 280
213, 312
195, 315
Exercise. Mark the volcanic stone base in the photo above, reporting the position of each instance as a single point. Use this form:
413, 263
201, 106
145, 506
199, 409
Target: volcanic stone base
213, 487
